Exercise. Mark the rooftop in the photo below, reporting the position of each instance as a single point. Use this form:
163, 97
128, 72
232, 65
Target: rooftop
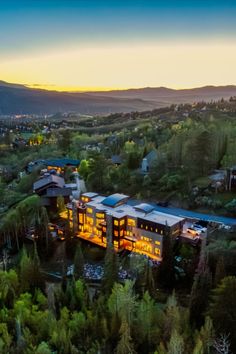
123, 210
115, 199
144, 207
62, 162
52, 179
90, 195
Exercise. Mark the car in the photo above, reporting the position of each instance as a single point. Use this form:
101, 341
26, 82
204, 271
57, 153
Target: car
193, 231
199, 227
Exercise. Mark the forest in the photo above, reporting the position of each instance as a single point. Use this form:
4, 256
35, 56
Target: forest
154, 311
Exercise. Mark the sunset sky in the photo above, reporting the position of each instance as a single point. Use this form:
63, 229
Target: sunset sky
86, 45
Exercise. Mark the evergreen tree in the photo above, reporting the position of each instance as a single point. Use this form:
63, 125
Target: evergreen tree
176, 344
110, 269
25, 267
200, 290
36, 280
166, 273
125, 344
220, 270
78, 262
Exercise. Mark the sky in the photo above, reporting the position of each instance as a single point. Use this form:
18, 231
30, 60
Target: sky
109, 44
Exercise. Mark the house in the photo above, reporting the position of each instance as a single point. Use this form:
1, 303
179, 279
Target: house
148, 161
140, 228
116, 160
49, 188
58, 165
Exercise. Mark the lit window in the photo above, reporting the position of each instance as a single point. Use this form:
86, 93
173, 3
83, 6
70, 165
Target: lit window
122, 222
131, 222
89, 220
157, 243
100, 215
157, 251
141, 226
81, 218
116, 223
146, 227
89, 210
116, 233
156, 230
121, 232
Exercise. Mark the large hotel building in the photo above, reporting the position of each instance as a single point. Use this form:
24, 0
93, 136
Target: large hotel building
137, 228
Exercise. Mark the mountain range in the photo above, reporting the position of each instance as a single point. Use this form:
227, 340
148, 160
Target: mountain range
20, 99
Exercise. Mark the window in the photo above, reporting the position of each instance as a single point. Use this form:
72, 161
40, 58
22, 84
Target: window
81, 218
122, 222
116, 223
157, 251
89, 220
89, 210
121, 232
156, 230
131, 222
157, 243
141, 226
146, 227
116, 233
100, 215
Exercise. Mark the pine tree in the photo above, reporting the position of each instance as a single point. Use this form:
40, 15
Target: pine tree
176, 344
78, 262
166, 268
110, 269
200, 290
36, 280
220, 270
25, 270
125, 344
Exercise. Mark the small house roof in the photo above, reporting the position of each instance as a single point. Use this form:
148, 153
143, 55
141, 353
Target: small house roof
52, 179
151, 156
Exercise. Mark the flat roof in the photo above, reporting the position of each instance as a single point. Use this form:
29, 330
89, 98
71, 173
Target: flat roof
114, 199
146, 208
130, 211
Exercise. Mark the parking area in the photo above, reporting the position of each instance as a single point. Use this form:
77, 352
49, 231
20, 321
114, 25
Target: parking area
193, 233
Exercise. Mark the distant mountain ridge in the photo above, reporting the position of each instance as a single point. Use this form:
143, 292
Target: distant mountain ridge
19, 99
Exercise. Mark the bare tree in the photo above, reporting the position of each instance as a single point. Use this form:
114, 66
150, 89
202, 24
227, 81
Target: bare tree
222, 344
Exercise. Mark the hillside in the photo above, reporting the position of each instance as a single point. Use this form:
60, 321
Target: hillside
19, 99
164, 96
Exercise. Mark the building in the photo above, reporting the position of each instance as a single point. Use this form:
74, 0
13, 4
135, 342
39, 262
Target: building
49, 188
148, 161
58, 165
138, 228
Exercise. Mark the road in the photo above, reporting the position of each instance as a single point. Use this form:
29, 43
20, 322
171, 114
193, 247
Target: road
189, 214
